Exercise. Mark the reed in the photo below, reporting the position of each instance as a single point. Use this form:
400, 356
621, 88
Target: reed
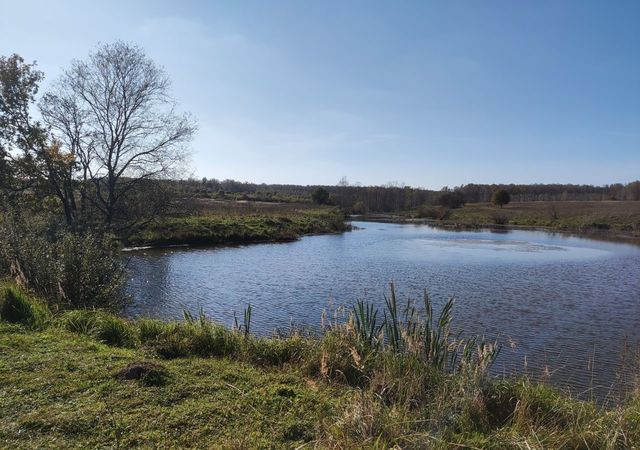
420, 333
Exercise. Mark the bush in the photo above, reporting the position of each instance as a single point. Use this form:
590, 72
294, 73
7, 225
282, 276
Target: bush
69, 270
16, 306
359, 208
150, 329
90, 273
337, 358
195, 336
499, 219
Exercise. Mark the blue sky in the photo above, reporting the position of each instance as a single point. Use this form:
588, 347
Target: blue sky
425, 93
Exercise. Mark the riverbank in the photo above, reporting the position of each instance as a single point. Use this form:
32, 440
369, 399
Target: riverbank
607, 220
238, 228
582, 216
86, 379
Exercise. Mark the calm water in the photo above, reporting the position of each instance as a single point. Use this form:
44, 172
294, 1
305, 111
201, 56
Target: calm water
568, 306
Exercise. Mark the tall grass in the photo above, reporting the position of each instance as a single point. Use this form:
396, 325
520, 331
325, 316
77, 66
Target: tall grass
422, 334
17, 306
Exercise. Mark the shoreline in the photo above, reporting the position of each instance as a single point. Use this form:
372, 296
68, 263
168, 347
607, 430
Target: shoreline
604, 235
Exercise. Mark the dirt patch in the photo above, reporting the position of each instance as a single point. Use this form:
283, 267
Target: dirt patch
147, 373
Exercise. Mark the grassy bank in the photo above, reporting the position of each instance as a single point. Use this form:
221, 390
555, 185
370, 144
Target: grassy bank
86, 379
243, 225
603, 217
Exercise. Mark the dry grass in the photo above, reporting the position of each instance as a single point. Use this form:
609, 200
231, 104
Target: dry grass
619, 216
246, 207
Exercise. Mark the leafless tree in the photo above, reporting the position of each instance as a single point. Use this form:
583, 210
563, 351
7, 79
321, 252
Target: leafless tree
113, 112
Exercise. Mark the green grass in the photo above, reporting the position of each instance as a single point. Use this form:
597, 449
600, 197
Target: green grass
87, 379
59, 390
240, 228
16, 306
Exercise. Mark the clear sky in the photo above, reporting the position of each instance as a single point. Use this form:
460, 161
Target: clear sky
425, 93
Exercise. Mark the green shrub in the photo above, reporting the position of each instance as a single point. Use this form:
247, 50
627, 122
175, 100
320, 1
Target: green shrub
211, 340
69, 270
90, 273
16, 306
170, 345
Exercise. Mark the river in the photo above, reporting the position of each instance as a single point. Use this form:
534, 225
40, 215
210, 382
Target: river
564, 307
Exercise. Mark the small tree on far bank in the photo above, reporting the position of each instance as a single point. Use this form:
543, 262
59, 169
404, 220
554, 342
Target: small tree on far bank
320, 196
500, 197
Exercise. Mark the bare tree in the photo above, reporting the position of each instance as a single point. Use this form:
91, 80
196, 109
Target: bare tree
114, 114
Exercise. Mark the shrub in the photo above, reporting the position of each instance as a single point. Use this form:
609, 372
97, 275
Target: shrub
69, 270
338, 358
359, 208
16, 306
170, 345
499, 219
91, 274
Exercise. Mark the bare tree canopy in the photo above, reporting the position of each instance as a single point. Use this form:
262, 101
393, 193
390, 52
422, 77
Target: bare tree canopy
114, 114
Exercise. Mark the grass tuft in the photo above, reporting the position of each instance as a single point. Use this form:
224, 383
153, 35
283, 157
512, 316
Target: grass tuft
16, 306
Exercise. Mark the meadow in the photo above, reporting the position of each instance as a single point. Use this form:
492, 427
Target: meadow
237, 222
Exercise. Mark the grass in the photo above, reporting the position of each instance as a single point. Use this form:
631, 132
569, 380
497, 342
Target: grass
244, 226
88, 379
16, 306
61, 390
584, 216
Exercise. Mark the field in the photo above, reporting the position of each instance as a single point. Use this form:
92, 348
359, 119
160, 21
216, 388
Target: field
586, 216
227, 222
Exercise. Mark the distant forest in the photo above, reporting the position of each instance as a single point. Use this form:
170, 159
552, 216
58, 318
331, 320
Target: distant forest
395, 198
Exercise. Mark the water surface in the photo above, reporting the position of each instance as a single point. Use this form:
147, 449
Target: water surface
565, 307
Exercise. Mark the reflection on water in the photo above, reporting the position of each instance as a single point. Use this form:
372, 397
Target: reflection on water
568, 304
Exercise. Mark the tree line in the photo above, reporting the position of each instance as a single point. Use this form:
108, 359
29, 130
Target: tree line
392, 198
